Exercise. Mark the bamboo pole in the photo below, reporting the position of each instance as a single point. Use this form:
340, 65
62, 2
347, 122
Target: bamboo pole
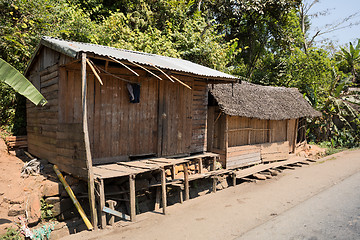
138, 65
123, 64
91, 186
94, 71
73, 198
181, 82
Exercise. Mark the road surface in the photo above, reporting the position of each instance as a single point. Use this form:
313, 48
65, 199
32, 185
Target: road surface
236, 211
331, 214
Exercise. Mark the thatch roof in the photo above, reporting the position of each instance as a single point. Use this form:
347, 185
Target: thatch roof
263, 102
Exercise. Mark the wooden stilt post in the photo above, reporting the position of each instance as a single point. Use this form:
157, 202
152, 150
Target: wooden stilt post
214, 183
102, 203
163, 190
186, 182
91, 185
132, 198
200, 165
234, 178
157, 199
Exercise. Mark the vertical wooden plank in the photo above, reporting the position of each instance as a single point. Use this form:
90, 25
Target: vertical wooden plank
163, 190
108, 120
62, 94
132, 198
90, 97
91, 186
186, 181
114, 122
157, 199
160, 118
295, 135
210, 127
97, 119
102, 203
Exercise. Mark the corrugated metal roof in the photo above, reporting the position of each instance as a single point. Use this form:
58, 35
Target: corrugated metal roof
73, 49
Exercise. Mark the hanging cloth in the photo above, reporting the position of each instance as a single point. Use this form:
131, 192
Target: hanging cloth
134, 92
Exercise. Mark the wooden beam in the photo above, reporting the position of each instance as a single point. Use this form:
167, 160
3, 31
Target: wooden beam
91, 185
163, 190
138, 65
181, 82
132, 198
102, 203
162, 72
124, 65
94, 71
186, 181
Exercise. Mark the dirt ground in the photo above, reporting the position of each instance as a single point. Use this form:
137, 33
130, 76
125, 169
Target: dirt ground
14, 190
232, 212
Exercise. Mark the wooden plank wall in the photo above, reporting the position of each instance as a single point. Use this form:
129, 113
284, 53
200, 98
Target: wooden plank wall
71, 155
291, 134
238, 137
117, 128
199, 116
42, 121
243, 155
278, 130
274, 151
176, 104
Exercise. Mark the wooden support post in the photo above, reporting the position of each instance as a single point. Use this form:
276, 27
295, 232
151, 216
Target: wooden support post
157, 199
102, 203
214, 183
112, 205
181, 196
213, 167
173, 172
200, 165
163, 190
132, 198
234, 179
91, 185
186, 182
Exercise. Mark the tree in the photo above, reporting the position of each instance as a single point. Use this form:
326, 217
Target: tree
351, 57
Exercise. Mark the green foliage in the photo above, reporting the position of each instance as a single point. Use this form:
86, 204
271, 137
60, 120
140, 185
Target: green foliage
11, 234
46, 210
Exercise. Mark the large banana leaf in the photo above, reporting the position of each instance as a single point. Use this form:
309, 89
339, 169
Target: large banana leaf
17, 81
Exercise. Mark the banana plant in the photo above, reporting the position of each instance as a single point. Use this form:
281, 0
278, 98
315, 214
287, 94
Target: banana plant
20, 84
351, 57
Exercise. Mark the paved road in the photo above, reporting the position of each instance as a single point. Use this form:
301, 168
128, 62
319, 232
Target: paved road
331, 214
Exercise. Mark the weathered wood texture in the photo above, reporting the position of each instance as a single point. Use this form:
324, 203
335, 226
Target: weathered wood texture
291, 134
175, 111
71, 155
274, 151
169, 119
242, 156
42, 121
199, 116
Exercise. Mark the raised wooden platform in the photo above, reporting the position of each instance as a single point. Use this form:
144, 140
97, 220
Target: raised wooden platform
132, 168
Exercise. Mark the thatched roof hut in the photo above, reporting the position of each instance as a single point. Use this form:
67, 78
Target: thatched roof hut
262, 102
265, 119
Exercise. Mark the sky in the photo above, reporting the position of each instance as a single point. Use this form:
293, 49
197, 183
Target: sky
338, 9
